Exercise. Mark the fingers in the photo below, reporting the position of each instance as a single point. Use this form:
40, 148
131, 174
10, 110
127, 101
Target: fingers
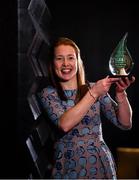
121, 86
133, 79
122, 80
124, 83
112, 80
127, 81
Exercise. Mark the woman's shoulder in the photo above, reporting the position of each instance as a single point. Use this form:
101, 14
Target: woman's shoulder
47, 90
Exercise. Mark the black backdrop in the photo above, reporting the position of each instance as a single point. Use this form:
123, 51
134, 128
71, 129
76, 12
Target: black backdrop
96, 28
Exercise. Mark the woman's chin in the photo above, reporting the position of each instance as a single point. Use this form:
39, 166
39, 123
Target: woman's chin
67, 77
64, 79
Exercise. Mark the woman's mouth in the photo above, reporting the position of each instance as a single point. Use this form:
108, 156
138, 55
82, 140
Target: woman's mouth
66, 70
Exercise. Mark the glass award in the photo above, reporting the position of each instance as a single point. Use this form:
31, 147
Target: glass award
121, 63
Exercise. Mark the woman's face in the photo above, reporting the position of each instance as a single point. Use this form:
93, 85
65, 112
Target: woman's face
65, 62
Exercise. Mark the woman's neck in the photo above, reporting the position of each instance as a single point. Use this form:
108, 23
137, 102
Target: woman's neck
71, 84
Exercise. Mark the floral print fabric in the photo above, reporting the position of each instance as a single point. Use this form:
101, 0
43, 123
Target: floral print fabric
81, 153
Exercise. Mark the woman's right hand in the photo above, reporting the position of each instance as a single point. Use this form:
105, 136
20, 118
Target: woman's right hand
102, 86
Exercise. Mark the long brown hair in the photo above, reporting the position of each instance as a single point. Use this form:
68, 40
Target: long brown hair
80, 72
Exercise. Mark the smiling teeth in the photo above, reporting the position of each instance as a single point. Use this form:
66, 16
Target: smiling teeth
66, 70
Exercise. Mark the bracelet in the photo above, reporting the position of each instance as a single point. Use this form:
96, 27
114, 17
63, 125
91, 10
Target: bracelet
92, 94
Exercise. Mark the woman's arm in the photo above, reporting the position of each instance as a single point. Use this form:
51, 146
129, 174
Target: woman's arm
124, 112
67, 119
124, 108
75, 114
64, 118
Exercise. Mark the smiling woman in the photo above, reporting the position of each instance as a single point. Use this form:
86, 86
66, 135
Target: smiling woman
65, 64
74, 107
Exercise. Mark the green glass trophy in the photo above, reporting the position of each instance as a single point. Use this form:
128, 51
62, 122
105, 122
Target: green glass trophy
121, 63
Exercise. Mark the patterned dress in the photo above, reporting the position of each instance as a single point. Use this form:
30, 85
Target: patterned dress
81, 153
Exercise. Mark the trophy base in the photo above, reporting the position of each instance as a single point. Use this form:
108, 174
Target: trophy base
118, 76
121, 76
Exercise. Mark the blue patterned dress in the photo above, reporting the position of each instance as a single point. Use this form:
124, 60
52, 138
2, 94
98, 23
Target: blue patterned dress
81, 153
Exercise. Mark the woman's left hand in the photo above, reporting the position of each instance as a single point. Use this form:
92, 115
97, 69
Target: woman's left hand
122, 85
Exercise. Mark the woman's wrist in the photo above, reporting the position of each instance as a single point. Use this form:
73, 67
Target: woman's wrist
120, 97
92, 94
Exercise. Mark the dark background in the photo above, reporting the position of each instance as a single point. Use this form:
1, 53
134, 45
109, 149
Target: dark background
96, 28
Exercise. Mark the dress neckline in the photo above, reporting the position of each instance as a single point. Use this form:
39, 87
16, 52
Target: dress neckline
70, 92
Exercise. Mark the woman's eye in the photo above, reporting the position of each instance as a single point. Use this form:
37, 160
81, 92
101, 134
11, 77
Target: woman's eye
71, 58
58, 58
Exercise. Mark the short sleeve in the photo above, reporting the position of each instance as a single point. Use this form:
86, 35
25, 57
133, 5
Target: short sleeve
109, 108
51, 104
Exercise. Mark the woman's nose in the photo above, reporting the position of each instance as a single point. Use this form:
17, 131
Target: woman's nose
65, 62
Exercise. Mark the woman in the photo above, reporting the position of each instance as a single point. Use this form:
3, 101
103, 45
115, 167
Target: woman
74, 107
